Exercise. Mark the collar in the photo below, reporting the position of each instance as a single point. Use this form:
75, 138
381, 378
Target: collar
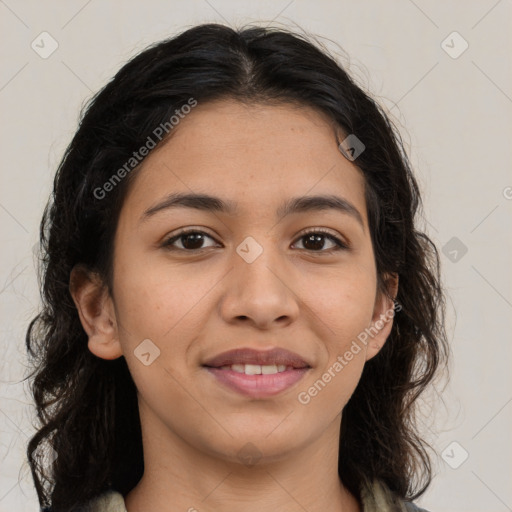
375, 497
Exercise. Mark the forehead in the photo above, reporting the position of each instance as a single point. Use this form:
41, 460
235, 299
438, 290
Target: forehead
257, 155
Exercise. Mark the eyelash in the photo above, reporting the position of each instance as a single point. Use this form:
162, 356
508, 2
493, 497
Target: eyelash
339, 244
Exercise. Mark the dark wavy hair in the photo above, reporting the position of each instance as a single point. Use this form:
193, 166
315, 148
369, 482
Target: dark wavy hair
87, 407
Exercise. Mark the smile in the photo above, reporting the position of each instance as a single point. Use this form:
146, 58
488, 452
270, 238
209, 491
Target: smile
257, 381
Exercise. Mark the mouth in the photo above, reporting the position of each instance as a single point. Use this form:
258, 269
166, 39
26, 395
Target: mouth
255, 373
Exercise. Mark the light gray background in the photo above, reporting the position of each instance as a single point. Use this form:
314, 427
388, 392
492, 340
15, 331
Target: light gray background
454, 113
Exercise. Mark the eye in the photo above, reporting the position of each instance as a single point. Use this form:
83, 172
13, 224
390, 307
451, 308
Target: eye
190, 239
314, 241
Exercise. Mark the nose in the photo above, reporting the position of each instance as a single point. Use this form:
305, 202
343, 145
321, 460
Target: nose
260, 292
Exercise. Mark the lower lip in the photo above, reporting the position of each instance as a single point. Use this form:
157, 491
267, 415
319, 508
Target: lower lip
258, 386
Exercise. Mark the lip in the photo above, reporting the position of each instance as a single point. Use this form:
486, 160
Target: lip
263, 385
275, 356
258, 386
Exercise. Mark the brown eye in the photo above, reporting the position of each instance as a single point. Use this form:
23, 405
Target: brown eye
191, 240
314, 241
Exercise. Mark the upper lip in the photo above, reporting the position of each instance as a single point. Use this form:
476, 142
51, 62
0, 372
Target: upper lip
276, 356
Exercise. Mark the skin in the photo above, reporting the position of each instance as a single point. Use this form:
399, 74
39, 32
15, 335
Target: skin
194, 306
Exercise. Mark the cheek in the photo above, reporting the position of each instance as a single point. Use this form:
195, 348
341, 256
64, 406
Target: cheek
159, 305
162, 303
334, 384
152, 298
343, 301
344, 308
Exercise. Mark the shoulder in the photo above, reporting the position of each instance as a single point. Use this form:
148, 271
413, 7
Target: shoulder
411, 507
377, 497
109, 501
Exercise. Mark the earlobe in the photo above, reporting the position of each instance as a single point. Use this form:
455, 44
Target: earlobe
96, 312
383, 314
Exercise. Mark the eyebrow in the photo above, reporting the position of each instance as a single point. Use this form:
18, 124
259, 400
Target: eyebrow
210, 203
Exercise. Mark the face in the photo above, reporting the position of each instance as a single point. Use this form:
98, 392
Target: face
248, 276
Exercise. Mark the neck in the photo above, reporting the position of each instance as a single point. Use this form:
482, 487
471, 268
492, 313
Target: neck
180, 477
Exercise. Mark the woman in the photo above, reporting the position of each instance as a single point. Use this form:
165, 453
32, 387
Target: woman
238, 309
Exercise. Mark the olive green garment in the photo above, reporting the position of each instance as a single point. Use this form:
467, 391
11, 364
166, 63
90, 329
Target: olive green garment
375, 498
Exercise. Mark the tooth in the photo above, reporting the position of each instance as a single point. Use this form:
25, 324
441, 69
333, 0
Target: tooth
256, 369
252, 369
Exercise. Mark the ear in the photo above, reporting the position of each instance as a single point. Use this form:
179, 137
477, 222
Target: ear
383, 313
96, 311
